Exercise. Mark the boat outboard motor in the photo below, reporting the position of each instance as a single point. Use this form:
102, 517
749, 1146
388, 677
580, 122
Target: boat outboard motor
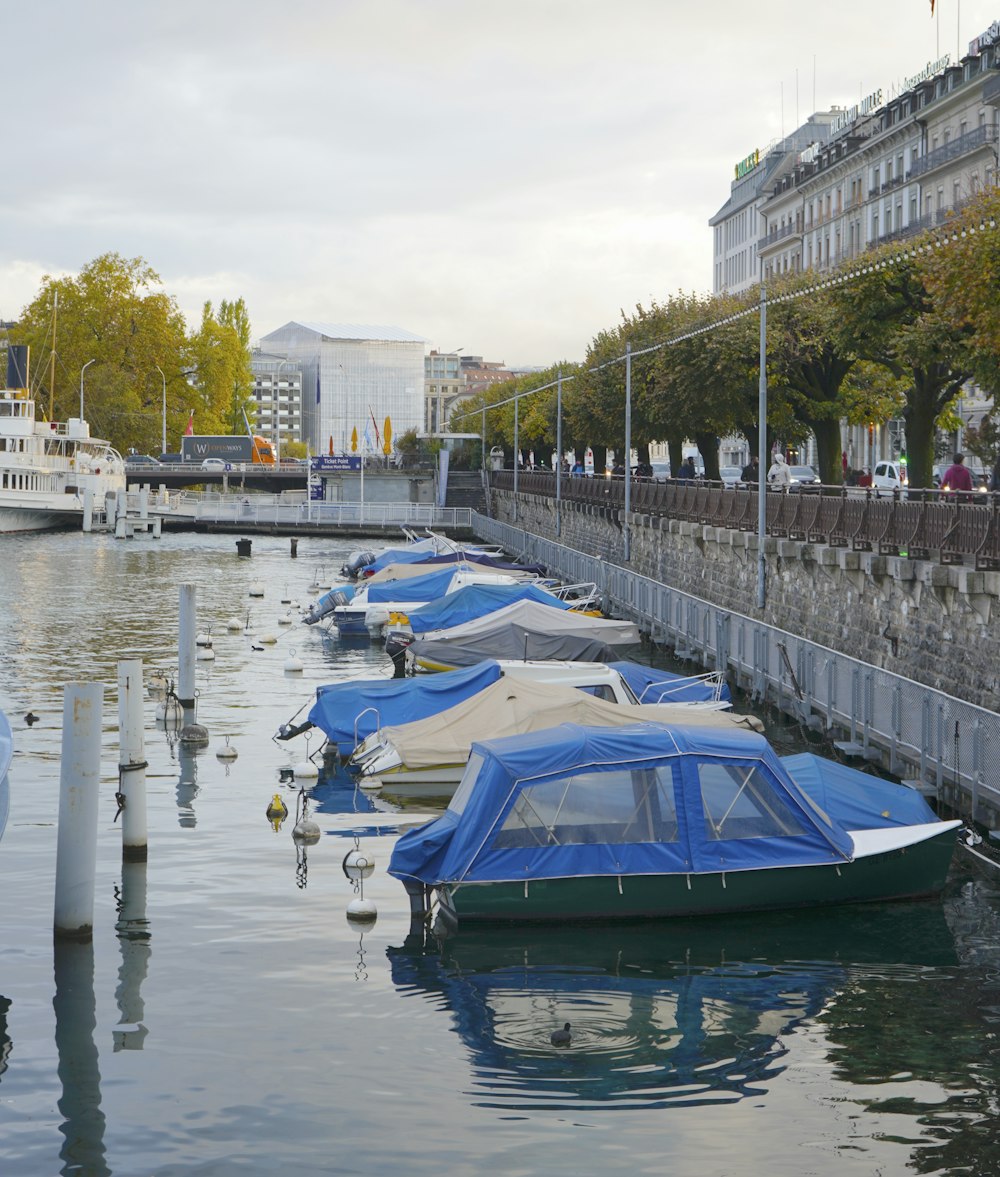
355, 562
396, 645
324, 606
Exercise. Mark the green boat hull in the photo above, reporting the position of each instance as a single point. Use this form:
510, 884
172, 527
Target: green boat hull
906, 873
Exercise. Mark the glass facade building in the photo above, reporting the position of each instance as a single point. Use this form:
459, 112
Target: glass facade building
353, 377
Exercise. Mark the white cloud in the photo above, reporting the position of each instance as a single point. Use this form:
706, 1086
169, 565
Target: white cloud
500, 175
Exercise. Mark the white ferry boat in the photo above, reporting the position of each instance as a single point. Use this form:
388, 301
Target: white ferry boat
51, 470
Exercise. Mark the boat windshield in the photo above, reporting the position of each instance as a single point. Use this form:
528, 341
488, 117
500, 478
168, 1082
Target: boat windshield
740, 802
609, 806
465, 786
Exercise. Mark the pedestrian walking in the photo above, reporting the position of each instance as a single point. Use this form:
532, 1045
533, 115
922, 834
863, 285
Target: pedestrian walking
779, 475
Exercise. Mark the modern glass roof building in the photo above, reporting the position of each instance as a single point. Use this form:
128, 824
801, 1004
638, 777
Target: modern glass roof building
353, 377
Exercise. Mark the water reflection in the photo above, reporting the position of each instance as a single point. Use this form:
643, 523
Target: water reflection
82, 1128
661, 1015
6, 1044
133, 938
187, 785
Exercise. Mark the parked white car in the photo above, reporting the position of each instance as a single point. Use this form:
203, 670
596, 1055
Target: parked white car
889, 475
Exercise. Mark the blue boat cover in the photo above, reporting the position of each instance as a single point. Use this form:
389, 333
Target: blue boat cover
476, 600
574, 801
428, 587
408, 555
395, 700
858, 800
660, 686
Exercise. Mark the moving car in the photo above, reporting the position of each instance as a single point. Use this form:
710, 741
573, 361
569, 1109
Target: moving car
804, 478
141, 460
214, 464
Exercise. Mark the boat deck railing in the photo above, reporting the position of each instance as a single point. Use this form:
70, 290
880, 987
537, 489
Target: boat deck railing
945, 745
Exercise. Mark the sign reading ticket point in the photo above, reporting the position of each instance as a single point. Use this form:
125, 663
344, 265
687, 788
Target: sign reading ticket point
336, 462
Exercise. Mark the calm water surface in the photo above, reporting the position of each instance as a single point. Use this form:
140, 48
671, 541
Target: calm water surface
236, 1023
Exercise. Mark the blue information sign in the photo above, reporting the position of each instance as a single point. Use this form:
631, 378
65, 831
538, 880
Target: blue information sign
327, 463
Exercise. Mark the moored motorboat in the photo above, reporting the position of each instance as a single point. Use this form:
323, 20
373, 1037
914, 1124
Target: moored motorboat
524, 629
429, 756
650, 820
350, 712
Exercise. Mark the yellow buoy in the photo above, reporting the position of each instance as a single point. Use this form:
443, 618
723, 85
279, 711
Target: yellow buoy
277, 811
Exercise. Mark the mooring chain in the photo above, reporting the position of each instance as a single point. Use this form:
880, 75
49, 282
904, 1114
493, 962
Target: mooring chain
132, 766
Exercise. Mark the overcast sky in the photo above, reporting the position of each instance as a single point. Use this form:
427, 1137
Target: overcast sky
500, 176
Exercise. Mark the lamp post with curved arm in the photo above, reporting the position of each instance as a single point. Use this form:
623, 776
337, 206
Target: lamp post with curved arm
82, 370
164, 438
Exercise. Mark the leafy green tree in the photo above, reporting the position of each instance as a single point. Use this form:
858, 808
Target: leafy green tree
886, 314
114, 314
811, 362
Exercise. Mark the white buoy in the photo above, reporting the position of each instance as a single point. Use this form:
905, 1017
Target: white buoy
234, 625
268, 639
285, 619
169, 711
362, 911
370, 784
286, 599
305, 770
293, 664
205, 654
203, 639
358, 864
227, 751
257, 589
158, 682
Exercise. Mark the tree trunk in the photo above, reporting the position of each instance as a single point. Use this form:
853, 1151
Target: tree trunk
600, 459
675, 450
708, 447
828, 450
920, 414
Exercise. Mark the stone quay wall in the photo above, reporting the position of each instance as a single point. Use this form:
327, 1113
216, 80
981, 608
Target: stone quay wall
935, 624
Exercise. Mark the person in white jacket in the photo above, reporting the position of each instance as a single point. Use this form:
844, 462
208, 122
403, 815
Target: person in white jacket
779, 474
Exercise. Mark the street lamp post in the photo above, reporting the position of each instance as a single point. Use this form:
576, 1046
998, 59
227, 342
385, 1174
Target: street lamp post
164, 438
82, 370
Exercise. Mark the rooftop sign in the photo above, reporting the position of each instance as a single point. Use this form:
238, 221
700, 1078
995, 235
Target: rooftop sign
929, 70
868, 106
745, 166
977, 44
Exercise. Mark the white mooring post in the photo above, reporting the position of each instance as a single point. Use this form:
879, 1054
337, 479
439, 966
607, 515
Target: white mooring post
88, 509
76, 851
187, 649
131, 761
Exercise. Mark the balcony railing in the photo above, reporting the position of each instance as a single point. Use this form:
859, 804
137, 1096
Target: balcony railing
984, 136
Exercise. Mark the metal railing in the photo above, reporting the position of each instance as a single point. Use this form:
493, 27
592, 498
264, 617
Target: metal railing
925, 524
941, 742
276, 510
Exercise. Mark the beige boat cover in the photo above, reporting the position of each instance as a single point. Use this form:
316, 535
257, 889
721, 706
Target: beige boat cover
405, 571
511, 707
